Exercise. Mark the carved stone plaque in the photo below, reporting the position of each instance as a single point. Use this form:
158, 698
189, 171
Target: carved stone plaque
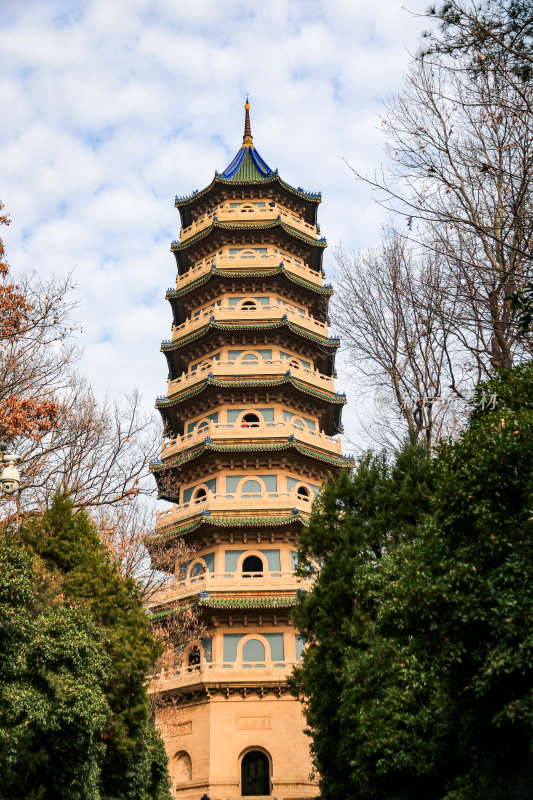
252, 723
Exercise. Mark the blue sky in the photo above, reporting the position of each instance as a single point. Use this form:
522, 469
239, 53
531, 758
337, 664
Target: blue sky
112, 108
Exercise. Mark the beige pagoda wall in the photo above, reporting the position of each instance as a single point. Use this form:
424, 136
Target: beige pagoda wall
215, 735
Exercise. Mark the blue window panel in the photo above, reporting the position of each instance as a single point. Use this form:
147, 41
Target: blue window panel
234, 413
234, 251
253, 650
207, 644
192, 425
273, 560
277, 650
231, 558
288, 415
293, 482
232, 481
209, 559
233, 301
300, 644
211, 485
233, 355
229, 646
251, 487
294, 559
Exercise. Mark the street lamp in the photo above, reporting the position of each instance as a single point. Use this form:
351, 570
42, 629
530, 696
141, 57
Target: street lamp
10, 476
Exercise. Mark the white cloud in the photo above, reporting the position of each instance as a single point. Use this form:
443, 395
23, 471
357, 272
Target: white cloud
112, 108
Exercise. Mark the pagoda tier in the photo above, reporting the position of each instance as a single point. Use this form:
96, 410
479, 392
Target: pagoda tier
273, 274
250, 418
217, 339
219, 236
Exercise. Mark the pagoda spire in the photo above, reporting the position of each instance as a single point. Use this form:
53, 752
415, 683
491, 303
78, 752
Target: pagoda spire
247, 138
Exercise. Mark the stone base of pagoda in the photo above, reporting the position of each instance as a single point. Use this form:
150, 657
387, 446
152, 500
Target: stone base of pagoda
207, 739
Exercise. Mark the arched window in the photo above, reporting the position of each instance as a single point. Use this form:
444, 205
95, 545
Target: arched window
249, 358
203, 425
248, 305
199, 495
197, 569
298, 423
252, 651
194, 657
252, 564
250, 487
302, 493
182, 768
250, 421
255, 774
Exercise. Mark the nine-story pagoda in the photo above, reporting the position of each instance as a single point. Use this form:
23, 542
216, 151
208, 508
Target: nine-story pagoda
251, 417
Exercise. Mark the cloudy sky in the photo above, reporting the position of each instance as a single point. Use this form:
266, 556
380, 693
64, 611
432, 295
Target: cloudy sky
110, 107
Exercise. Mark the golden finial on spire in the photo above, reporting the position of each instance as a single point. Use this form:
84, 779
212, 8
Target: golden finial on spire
247, 138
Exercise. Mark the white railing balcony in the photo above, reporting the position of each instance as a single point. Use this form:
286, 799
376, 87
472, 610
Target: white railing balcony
239, 431
259, 312
251, 369
237, 502
247, 261
207, 672
247, 213
226, 581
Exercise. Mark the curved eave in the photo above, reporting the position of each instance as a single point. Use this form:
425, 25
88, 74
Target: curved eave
259, 447
222, 325
228, 603
172, 294
331, 403
326, 397
251, 603
227, 521
188, 201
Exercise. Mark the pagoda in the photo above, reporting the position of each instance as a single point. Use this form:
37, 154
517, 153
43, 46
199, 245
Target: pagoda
251, 418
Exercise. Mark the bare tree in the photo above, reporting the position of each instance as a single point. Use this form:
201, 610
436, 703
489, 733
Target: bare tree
96, 451
458, 182
394, 317
127, 530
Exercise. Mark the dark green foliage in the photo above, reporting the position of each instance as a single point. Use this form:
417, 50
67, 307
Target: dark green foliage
356, 520
132, 764
52, 702
488, 33
433, 663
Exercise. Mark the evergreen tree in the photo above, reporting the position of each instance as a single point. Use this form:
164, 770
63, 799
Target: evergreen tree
356, 520
133, 766
52, 701
426, 658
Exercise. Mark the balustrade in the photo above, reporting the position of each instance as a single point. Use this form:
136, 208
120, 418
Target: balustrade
245, 263
206, 671
250, 368
258, 312
220, 581
225, 213
252, 430
259, 501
